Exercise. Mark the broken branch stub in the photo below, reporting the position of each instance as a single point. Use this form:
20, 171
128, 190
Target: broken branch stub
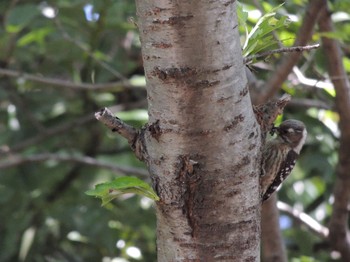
268, 112
134, 136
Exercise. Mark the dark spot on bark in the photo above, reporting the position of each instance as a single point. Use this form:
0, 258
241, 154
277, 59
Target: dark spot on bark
156, 11
173, 73
218, 42
162, 45
138, 145
251, 147
232, 193
234, 122
226, 67
222, 99
244, 161
244, 92
206, 132
159, 73
174, 20
206, 83
155, 130
229, 2
251, 135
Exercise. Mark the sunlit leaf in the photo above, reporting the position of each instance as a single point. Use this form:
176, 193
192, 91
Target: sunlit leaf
260, 37
122, 185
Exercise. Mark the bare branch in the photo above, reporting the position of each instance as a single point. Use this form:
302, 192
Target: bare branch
15, 160
280, 50
305, 219
67, 84
339, 234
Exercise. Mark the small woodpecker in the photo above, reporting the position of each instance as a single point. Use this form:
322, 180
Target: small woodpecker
280, 155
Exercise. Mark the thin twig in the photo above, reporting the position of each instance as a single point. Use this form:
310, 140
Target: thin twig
67, 84
16, 160
305, 219
280, 50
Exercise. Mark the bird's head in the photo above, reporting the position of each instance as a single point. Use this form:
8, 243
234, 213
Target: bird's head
293, 132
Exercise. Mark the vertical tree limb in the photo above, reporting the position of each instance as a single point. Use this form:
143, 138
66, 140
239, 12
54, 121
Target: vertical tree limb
273, 248
338, 226
275, 251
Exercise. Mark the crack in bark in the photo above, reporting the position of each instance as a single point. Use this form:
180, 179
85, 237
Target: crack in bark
189, 180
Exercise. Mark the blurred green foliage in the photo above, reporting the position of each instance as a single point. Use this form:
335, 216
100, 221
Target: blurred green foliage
45, 215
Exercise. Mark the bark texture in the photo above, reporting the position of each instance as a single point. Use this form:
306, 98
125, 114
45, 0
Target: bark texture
202, 140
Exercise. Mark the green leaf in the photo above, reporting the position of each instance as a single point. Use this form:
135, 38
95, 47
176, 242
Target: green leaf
260, 37
122, 185
34, 36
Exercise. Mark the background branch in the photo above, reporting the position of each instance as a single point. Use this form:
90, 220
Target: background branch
15, 160
272, 242
338, 226
305, 219
67, 84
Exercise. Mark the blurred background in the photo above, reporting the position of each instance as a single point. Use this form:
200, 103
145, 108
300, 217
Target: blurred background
63, 60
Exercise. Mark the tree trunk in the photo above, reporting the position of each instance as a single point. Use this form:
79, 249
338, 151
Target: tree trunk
203, 141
